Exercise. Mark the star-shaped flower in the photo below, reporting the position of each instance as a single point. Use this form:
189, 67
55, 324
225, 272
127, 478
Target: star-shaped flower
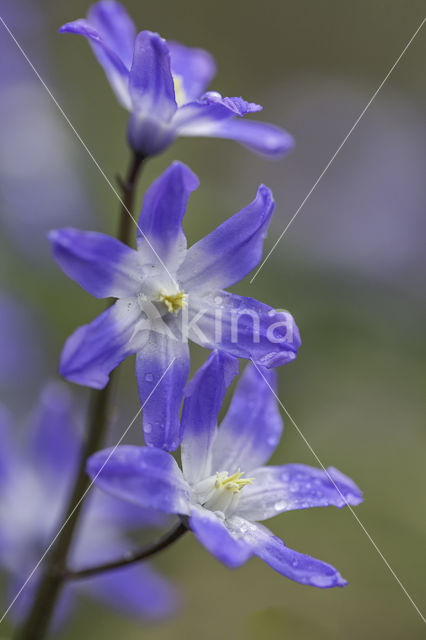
167, 294
163, 86
224, 489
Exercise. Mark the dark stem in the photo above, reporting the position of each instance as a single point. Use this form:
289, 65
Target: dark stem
131, 557
51, 579
128, 189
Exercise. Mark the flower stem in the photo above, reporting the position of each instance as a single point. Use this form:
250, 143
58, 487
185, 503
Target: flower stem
50, 582
132, 556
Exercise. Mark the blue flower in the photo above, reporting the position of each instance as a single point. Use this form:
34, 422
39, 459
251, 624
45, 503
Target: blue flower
167, 294
163, 86
224, 489
35, 482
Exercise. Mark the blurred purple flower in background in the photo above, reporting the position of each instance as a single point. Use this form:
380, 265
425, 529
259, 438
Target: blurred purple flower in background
21, 345
223, 487
163, 85
366, 215
39, 182
35, 479
167, 295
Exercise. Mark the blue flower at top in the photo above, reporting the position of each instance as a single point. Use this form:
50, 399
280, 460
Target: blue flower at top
224, 489
162, 84
35, 482
168, 294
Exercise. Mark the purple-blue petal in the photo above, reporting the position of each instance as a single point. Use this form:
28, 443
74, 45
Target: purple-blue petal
203, 400
213, 534
243, 327
93, 350
261, 137
114, 67
296, 566
203, 116
195, 67
117, 29
226, 255
148, 477
101, 264
153, 96
295, 486
162, 369
252, 427
160, 222
237, 106
151, 82
216, 119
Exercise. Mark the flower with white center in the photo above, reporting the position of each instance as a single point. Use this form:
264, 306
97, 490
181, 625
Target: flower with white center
163, 86
224, 489
35, 483
168, 294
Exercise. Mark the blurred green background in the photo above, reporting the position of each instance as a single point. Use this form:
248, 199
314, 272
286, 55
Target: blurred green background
351, 269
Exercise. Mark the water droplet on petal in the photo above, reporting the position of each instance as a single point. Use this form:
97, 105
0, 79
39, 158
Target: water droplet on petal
149, 377
279, 506
148, 427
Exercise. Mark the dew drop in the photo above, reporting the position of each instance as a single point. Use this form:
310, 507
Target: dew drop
149, 377
148, 427
279, 506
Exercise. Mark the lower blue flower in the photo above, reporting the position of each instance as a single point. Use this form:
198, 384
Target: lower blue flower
224, 490
34, 486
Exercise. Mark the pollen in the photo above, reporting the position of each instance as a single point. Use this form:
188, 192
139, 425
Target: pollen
174, 302
233, 483
180, 95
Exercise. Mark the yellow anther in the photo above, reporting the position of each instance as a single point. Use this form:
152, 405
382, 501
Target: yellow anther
232, 483
180, 95
174, 302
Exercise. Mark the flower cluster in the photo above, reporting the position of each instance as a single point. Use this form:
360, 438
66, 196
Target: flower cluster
165, 295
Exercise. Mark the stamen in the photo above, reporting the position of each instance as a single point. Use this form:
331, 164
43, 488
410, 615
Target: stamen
180, 95
174, 302
232, 483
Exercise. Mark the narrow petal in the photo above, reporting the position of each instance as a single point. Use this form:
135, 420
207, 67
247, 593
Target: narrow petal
160, 222
252, 427
195, 68
53, 435
260, 137
115, 68
115, 26
195, 118
138, 591
295, 486
162, 369
296, 566
100, 264
147, 477
203, 400
213, 534
243, 327
231, 251
151, 82
93, 350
